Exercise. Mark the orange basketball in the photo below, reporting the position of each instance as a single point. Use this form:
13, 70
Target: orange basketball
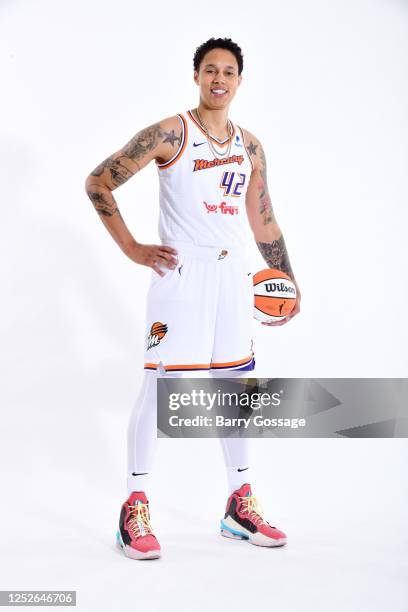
274, 295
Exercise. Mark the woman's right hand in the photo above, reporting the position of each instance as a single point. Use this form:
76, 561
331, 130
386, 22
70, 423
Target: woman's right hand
155, 256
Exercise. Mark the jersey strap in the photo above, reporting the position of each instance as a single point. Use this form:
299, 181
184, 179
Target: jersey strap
182, 146
245, 146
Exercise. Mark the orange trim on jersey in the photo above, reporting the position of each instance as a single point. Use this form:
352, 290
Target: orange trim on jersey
245, 147
170, 368
151, 366
228, 364
182, 147
190, 114
199, 366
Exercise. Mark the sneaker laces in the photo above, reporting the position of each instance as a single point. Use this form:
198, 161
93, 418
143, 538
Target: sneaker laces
139, 521
251, 506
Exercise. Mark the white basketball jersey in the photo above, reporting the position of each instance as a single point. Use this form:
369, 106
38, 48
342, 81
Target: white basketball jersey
202, 196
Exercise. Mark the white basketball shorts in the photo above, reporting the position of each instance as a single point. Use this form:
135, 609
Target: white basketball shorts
200, 315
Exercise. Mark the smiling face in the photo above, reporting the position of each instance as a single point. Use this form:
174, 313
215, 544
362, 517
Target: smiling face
218, 78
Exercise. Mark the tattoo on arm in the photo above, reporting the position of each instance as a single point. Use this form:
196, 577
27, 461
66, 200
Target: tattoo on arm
120, 168
276, 255
146, 140
103, 201
119, 173
265, 204
171, 138
252, 148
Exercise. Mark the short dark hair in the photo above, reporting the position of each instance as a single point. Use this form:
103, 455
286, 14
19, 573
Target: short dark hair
218, 43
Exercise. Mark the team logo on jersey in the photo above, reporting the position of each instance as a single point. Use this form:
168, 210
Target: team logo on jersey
223, 207
157, 332
222, 254
203, 164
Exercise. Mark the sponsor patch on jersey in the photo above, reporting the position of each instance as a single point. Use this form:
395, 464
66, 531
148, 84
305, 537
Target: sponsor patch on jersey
203, 164
226, 209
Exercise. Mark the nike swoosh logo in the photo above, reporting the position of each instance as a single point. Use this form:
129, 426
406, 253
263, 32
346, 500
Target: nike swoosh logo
197, 144
243, 469
238, 145
139, 474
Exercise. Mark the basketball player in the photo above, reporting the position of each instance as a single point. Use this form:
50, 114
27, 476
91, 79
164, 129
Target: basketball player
212, 176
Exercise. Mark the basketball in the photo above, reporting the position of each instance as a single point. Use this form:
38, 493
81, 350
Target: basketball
274, 295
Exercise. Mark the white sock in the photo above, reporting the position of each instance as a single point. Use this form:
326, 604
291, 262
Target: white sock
138, 482
237, 477
235, 450
142, 435
142, 431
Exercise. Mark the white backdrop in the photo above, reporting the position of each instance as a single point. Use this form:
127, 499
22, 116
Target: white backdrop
324, 88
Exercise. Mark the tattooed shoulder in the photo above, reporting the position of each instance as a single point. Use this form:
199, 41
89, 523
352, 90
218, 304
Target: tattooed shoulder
252, 145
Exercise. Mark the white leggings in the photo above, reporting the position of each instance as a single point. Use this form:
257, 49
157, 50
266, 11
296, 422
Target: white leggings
142, 436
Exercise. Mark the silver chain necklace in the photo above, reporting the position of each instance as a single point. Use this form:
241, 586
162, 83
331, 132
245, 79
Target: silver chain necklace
214, 151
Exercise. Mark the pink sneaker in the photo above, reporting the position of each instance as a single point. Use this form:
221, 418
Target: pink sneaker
135, 536
243, 520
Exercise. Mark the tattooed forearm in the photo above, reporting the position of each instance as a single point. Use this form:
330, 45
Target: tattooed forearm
275, 255
265, 204
103, 201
